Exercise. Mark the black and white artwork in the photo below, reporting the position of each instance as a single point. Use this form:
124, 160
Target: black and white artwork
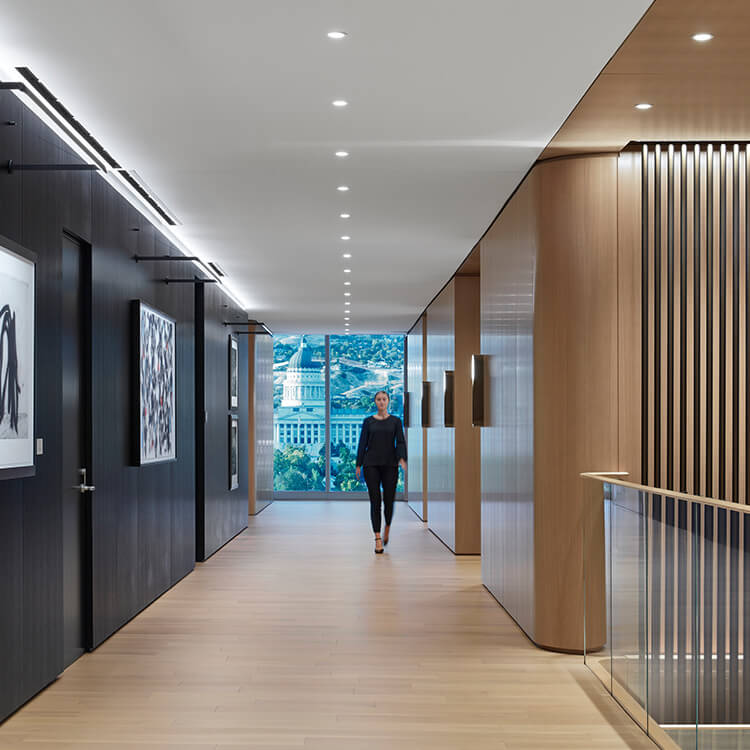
234, 452
234, 372
156, 385
16, 360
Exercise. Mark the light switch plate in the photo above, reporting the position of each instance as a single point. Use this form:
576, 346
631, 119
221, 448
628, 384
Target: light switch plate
40, 446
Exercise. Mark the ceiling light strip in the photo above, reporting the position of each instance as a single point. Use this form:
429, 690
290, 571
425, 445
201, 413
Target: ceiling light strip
36, 97
56, 105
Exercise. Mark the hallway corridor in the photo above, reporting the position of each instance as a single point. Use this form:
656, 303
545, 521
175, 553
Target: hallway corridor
295, 635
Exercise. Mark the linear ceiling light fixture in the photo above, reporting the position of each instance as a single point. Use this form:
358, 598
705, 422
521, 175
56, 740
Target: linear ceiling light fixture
703, 37
337, 35
644, 105
50, 110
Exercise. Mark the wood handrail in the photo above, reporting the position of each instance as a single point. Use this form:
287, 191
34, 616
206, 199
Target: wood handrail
611, 477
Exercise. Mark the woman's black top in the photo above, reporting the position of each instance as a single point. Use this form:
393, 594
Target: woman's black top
381, 442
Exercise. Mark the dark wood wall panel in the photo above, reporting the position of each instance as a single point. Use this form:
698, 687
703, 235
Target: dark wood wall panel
695, 267
221, 513
142, 519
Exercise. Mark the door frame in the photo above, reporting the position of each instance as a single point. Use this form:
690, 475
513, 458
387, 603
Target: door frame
86, 412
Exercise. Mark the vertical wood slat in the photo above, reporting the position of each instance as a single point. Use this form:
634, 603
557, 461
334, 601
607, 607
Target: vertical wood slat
695, 261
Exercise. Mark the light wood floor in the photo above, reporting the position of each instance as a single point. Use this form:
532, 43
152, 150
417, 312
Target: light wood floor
296, 635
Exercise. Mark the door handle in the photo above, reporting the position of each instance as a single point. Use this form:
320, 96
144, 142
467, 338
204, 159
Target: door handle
83, 487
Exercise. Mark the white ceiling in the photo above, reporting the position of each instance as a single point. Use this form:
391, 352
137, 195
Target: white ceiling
224, 108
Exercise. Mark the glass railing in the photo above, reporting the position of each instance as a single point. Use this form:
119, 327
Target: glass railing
667, 585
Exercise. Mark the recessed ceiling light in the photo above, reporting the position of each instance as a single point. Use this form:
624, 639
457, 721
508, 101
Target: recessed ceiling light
644, 105
340, 103
347, 294
347, 318
342, 188
337, 35
347, 283
347, 270
342, 154
345, 216
347, 302
345, 237
703, 37
346, 255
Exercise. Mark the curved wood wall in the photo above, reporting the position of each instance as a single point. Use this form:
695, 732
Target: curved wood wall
550, 332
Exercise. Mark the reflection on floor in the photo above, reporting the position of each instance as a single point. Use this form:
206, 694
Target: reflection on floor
296, 635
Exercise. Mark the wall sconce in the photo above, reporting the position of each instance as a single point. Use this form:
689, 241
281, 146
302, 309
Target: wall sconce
478, 405
449, 382
425, 406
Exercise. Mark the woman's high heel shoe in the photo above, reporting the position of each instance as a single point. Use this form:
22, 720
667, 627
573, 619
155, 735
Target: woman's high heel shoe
379, 546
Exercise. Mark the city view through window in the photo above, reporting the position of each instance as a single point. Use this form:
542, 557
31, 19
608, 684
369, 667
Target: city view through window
359, 367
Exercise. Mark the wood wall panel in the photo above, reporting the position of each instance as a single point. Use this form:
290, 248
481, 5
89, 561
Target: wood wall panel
441, 476
468, 538
508, 267
695, 312
575, 377
630, 299
260, 439
550, 332
415, 433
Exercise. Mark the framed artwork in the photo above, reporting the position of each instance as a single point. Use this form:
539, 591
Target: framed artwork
234, 372
17, 375
234, 452
154, 344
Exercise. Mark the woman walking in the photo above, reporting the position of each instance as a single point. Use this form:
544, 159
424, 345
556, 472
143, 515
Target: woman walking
381, 450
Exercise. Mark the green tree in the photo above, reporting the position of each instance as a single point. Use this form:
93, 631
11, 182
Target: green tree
346, 478
293, 469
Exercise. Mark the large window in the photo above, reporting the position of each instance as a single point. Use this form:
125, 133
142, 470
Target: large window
360, 367
299, 413
324, 387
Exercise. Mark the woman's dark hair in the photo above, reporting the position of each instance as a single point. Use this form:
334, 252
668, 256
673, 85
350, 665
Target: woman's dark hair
385, 393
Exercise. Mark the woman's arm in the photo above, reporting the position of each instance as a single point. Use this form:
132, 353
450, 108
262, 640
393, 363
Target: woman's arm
400, 442
362, 446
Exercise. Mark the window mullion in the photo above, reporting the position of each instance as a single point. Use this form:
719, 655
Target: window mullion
328, 412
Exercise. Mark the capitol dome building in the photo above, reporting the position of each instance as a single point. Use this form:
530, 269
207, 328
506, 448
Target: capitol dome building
301, 417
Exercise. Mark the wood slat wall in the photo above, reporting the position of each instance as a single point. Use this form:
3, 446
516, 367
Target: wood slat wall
695, 322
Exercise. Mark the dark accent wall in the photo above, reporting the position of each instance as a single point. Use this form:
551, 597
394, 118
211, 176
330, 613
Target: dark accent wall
142, 519
221, 513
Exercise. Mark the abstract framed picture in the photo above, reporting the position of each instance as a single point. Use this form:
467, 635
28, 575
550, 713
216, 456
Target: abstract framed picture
234, 452
234, 372
17, 375
155, 383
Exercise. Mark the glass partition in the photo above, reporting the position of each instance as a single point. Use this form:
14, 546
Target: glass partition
665, 632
